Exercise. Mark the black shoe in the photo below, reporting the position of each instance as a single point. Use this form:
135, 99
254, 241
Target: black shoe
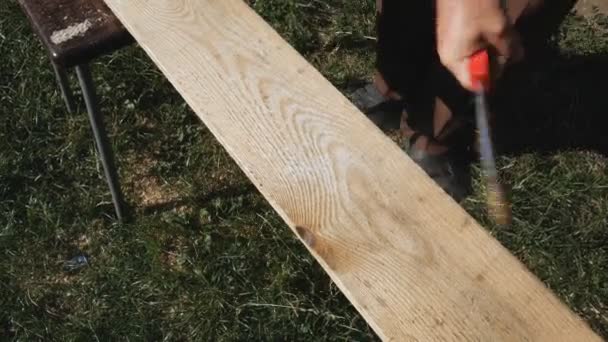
450, 170
384, 113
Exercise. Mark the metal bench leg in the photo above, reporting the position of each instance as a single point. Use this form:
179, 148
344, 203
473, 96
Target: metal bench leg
101, 138
64, 86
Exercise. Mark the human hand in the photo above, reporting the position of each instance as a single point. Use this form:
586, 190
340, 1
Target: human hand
465, 27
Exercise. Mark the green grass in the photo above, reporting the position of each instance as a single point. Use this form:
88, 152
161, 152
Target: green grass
207, 258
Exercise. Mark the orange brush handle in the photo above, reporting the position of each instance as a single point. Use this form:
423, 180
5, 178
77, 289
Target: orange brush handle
479, 68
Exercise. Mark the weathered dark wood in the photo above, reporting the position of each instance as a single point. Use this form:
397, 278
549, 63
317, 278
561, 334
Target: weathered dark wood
75, 31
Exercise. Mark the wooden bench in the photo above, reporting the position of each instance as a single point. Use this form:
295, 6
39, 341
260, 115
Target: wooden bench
412, 261
74, 32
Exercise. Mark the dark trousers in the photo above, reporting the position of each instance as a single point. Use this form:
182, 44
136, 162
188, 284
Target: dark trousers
407, 60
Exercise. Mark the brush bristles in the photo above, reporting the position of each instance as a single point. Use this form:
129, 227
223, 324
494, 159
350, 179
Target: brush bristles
498, 206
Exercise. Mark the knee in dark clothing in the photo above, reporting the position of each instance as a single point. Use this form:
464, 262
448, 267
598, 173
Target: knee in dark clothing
407, 60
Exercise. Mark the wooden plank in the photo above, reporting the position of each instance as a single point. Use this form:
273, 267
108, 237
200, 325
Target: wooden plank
410, 259
591, 7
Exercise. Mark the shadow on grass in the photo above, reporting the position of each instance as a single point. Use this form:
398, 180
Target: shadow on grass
552, 101
557, 105
203, 197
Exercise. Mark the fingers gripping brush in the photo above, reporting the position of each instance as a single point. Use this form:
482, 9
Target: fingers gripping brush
498, 207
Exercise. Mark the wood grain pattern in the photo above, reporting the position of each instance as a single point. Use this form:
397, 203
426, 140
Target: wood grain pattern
591, 7
415, 265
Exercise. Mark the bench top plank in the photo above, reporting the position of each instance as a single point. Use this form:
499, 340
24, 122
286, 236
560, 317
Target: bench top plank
75, 31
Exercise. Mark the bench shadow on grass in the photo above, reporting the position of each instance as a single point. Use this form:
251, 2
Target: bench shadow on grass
202, 198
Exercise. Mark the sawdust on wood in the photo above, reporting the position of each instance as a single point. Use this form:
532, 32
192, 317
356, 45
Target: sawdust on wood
70, 32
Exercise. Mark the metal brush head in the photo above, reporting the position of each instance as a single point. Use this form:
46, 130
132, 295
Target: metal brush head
498, 205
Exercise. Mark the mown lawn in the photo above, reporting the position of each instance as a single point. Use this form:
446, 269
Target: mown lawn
207, 258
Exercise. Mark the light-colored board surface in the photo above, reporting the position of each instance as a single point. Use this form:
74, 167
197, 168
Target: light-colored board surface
590, 7
414, 263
